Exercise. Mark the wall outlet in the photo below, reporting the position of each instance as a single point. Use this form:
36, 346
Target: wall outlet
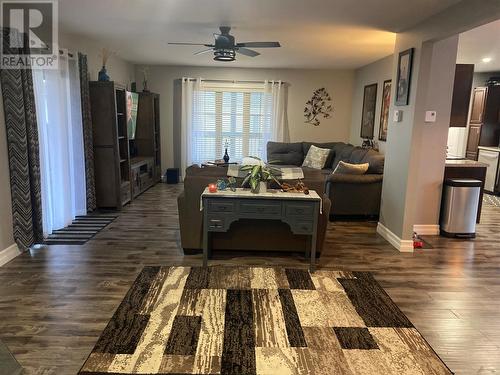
430, 116
398, 115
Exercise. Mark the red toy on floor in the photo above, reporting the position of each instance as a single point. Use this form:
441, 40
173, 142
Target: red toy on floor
417, 241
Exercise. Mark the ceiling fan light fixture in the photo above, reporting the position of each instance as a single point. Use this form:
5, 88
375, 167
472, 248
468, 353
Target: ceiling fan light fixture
224, 55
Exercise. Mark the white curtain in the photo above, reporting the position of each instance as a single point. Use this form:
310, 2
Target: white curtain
62, 166
279, 113
188, 88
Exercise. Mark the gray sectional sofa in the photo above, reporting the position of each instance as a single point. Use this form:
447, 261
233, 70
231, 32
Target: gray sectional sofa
350, 195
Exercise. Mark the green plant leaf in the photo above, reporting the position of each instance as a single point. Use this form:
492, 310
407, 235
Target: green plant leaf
245, 180
254, 184
255, 157
275, 170
256, 170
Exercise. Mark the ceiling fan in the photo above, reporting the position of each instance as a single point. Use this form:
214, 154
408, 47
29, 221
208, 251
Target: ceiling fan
225, 48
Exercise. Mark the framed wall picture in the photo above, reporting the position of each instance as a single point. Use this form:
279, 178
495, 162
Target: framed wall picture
368, 113
404, 77
384, 110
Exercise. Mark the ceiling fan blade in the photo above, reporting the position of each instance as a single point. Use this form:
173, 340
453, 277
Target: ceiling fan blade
190, 44
259, 44
203, 51
247, 52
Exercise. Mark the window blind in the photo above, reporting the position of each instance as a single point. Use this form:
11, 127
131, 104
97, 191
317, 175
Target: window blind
240, 119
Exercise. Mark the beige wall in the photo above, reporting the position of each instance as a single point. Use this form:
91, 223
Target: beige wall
302, 83
417, 149
119, 70
376, 72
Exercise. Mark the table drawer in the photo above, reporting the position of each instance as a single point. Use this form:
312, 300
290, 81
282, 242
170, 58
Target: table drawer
260, 208
302, 227
299, 209
222, 206
216, 224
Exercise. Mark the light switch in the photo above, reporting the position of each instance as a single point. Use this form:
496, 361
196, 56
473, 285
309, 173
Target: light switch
398, 115
430, 116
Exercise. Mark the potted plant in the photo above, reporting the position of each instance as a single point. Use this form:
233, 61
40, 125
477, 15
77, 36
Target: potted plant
258, 174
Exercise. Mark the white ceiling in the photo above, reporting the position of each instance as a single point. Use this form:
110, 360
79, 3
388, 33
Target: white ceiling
479, 43
313, 33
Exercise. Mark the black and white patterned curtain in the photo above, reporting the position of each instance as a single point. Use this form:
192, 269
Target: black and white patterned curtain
87, 132
22, 145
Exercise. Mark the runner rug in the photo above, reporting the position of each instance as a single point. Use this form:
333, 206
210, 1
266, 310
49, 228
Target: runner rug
272, 321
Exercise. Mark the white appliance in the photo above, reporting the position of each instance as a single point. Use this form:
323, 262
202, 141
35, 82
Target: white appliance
489, 156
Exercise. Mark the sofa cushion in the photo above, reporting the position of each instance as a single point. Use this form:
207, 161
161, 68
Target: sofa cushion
344, 153
329, 145
316, 157
282, 153
357, 155
375, 160
348, 168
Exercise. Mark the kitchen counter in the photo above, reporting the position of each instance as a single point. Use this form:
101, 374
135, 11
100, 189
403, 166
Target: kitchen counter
488, 148
464, 163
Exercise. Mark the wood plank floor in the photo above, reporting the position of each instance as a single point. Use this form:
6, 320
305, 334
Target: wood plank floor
56, 300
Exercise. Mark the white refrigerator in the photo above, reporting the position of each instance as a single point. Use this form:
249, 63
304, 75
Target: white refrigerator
490, 157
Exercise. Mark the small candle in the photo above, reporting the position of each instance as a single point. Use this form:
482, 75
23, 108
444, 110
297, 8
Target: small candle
212, 188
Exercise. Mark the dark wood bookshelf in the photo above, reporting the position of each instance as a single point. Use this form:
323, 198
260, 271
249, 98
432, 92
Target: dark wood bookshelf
111, 146
119, 176
147, 138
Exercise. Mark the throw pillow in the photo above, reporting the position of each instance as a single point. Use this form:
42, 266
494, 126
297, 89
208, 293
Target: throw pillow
348, 168
247, 160
316, 157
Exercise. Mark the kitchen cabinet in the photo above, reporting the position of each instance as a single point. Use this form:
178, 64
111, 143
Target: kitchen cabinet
484, 122
473, 141
461, 95
478, 100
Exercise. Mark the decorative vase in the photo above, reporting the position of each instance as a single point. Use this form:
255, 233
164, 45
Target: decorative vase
262, 187
226, 157
103, 75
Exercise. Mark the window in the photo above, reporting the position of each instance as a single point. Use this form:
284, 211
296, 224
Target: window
240, 119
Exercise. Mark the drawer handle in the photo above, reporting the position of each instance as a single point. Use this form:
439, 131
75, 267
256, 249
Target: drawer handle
215, 221
300, 210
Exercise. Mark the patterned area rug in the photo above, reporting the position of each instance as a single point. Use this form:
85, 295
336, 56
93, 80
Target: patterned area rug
265, 321
82, 229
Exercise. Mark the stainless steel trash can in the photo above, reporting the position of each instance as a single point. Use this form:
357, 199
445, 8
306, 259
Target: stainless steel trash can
459, 207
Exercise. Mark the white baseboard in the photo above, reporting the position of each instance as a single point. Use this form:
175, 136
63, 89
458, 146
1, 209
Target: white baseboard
426, 230
398, 243
6, 255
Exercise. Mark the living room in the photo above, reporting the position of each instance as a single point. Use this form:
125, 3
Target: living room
140, 234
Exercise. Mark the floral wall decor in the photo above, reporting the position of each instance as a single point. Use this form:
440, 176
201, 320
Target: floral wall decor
318, 107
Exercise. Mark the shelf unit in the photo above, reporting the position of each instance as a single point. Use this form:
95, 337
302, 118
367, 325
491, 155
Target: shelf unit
111, 145
147, 137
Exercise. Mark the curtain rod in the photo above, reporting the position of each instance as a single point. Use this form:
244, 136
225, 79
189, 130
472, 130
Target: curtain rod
236, 80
